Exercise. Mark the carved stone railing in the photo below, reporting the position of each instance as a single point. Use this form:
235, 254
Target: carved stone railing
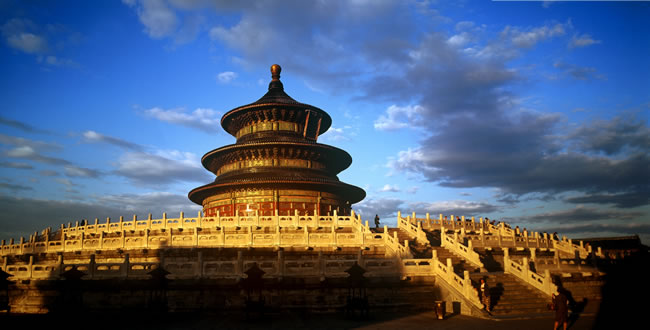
501, 235
199, 232
320, 266
453, 244
414, 230
461, 284
392, 242
544, 283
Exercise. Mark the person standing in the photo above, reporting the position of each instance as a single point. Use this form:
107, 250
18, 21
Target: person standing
376, 220
485, 295
561, 306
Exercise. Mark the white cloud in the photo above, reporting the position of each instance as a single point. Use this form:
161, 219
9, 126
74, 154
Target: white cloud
65, 182
226, 77
336, 134
75, 171
529, 38
399, 117
28, 152
57, 61
23, 166
582, 41
579, 72
94, 137
158, 19
413, 190
205, 119
21, 34
390, 188
247, 35
157, 201
55, 212
28, 43
161, 169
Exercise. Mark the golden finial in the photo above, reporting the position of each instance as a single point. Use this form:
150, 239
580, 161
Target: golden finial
275, 72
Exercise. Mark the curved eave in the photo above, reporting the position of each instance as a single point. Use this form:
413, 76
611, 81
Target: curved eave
350, 193
342, 158
228, 116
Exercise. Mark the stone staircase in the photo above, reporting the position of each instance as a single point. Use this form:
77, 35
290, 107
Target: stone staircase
512, 298
401, 234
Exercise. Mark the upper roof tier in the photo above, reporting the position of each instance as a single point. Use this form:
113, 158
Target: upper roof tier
277, 106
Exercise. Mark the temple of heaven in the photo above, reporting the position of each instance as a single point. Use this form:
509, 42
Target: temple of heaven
276, 167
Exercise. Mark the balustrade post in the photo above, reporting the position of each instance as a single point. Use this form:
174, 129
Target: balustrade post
280, 263
506, 260
306, 235
239, 268
60, 264
434, 255
200, 262
548, 282
526, 269
467, 285
533, 255
91, 266
450, 271
126, 265
30, 267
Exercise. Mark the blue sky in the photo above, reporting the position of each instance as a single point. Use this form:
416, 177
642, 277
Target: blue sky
531, 112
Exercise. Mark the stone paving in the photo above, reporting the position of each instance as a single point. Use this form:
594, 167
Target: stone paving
419, 321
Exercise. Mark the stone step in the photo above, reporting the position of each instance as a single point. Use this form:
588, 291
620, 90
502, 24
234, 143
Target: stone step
510, 296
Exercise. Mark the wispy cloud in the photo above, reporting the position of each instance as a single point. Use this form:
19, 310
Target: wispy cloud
582, 41
400, 117
14, 187
28, 152
579, 72
205, 119
226, 77
94, 137
55, 212
390, 188
21, 34
161, 169
17, 165
76, 171
21, 126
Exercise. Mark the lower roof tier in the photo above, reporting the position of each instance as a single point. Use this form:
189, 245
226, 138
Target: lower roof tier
348, 194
